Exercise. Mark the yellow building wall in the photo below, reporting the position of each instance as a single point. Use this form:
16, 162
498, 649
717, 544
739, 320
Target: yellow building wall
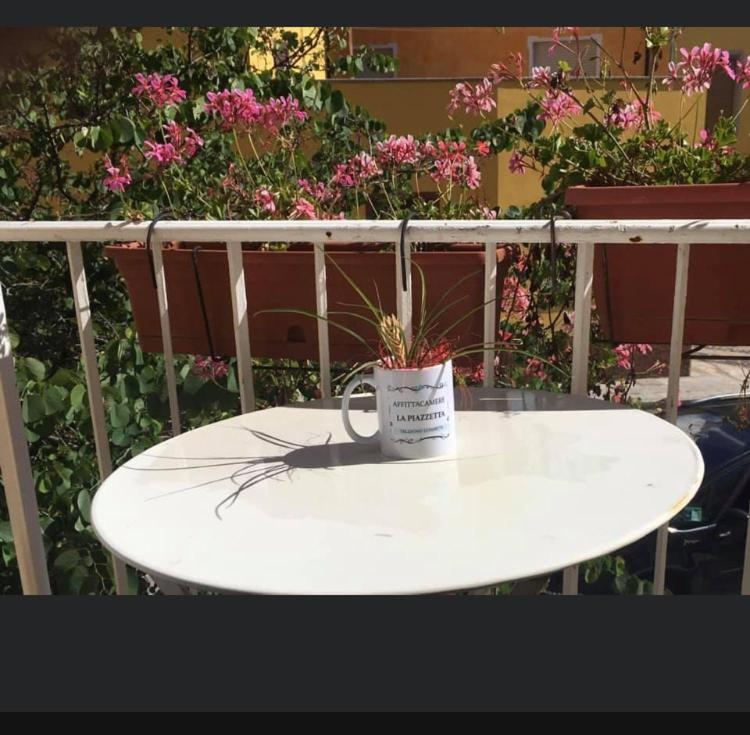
154, 36
419, 107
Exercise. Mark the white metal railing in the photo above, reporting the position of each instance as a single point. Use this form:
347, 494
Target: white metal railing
14, 456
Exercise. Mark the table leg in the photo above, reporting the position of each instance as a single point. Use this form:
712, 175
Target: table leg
172, 588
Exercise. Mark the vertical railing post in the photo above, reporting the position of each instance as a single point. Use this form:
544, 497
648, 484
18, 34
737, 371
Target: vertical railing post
403, 298
745, 588
241, 326
93, 384
490, 311
673, 391
20, 494
321, 302
166, 334
581, 347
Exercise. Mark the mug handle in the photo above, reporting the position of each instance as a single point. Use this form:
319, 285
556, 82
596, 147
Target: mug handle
355, 383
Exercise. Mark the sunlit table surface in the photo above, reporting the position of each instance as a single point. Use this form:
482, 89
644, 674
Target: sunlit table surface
280, 501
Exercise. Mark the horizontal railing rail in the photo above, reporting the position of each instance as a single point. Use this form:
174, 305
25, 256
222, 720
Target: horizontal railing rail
584, 234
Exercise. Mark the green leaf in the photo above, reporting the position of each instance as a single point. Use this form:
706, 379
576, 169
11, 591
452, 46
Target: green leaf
84, 505
119, 415
35, 367
32, 408
6, 533
77, 395
192, 383
54, 399
67, 560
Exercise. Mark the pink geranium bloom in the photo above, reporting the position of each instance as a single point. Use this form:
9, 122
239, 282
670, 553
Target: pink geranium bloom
511, 71
474, 98
265, 200
742, 73
163, 153
118, 177
281, 111
235, 108
356, 171
482, 148
631, 115
558, 105
625, 353
209, 368
454, 166
516, 164
304, 209
516, 297
161, 91
697, 67
535, 369
398, 151
556, 32
541, 77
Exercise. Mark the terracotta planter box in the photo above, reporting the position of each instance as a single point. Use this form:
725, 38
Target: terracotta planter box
286, 279
633, 284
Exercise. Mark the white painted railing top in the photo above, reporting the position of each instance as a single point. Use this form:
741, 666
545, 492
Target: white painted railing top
433, 231
14, 457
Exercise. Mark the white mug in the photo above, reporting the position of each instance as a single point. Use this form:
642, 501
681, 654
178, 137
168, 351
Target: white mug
416, 418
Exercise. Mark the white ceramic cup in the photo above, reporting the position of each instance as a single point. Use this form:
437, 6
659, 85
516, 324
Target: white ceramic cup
416, 418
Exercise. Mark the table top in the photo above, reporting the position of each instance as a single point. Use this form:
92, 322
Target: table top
280, 501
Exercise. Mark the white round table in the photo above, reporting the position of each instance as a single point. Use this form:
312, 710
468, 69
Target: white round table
280, 501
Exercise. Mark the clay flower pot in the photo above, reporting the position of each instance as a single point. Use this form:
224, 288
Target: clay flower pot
286, 279
633, 284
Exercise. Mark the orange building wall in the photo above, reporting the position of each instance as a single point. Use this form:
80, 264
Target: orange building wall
469, 51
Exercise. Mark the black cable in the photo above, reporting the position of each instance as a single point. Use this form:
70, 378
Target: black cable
204, 314
161, 216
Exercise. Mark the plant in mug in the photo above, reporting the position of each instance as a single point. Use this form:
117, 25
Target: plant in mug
412, 370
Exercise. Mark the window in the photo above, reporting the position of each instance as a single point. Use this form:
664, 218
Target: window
387, 49
541, 53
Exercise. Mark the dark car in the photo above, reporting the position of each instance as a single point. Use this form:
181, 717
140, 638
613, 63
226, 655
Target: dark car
706, 545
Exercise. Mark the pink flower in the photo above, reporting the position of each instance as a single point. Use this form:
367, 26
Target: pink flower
625, 353
281, 111
118, 177
697, 67
742, 73
557, 105
160, 90
516, 164
400, 151
631, 115
501, 72
474, 98
516, 297
229, 182
708, 141
237, 108
356, 171
209, 368
482, 148
265, 200
571, 30
535, 369
192, 142
185, 141
453, 165
541, 77
303, 208
162, 153
319, 191
488, 213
